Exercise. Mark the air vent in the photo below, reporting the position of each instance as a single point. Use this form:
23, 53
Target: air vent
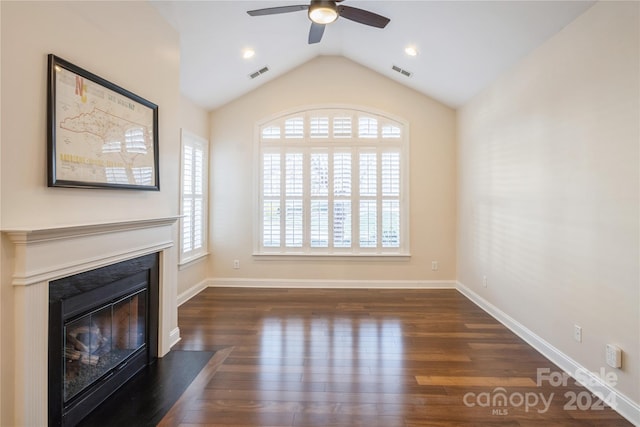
260, 71
401, 71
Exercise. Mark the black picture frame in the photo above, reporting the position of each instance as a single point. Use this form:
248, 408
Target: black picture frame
99, 134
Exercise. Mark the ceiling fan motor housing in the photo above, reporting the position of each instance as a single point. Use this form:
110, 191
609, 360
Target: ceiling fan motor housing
323, 11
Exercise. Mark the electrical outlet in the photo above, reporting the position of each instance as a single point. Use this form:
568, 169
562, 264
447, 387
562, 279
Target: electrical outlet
614, 356
577, 333
236, 264
434, 265
484, 281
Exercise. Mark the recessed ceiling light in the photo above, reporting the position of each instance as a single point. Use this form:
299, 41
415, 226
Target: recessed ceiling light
248, 53
411, 51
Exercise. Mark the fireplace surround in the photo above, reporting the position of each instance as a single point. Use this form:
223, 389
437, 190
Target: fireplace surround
40, 255
102, 331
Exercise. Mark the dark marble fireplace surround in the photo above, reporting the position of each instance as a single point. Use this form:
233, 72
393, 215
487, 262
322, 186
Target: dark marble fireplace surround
103, 329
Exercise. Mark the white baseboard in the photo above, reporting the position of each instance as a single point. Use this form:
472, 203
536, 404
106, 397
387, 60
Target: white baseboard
623, 405
174, 337
332, 284
192, 292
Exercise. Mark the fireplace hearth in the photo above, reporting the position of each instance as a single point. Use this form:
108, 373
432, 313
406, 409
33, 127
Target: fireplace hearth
102, 331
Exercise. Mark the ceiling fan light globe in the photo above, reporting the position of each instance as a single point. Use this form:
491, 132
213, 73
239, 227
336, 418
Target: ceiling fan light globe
323, 12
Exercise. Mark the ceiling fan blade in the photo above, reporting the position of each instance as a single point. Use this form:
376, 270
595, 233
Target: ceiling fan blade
279, 9
363, 16
315, 32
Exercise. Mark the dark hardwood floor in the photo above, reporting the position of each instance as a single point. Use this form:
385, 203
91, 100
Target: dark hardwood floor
365, 358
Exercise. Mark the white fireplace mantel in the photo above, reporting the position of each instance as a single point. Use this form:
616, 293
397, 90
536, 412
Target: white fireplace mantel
45, 254
49, 253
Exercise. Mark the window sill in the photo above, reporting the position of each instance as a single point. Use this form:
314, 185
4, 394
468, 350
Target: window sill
188, 262
333, 257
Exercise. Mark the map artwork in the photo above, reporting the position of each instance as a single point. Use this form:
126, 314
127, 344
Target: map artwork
102, 136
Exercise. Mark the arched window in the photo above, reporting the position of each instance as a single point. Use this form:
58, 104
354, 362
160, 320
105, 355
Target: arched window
333, 181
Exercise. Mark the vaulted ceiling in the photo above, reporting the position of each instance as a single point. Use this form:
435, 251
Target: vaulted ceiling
462, 45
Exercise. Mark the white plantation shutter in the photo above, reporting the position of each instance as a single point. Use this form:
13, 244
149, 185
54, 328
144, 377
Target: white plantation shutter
342, 174
293, 221
271, 175
342, 223
319, 174
187, 169
367, 127
327, 188
198, 198
198, 213
368, 174
368, 224
187, 224
194, 200
272, 132
294, 179
319, 191
294, 174
319, 227
342, 127
390, 223
368, 210
319, 127
271, 182
390, 173
187, 198
271, 223
390, 131
294, 128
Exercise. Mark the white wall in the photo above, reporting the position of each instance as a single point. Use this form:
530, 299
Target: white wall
1, 251
549, 191
432, 181
193, 118
127, 43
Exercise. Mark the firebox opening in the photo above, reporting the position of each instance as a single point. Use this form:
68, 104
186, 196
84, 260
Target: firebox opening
99, 341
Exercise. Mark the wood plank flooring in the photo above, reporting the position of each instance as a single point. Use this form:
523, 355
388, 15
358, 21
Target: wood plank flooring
318, 357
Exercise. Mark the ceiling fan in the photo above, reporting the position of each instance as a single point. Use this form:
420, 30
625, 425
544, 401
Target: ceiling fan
323, 12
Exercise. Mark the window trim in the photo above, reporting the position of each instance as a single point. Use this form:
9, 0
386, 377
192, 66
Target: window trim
354, 252
186, 259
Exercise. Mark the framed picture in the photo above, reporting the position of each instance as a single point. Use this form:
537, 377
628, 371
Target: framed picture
99, 134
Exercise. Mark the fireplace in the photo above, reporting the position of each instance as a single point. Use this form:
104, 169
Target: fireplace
102, 331
42, 255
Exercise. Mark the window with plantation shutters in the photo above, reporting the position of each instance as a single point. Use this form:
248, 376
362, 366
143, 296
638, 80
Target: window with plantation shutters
332, 182
193, 232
